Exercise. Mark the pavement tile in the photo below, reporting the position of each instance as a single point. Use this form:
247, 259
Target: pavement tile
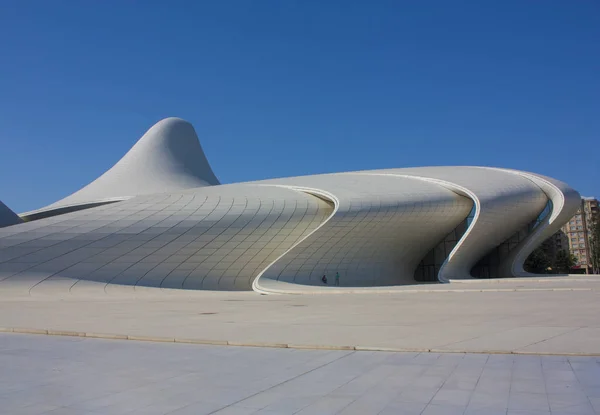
403, 408
528, 401
448, 396
443, 410
328, 405
235, 410
54, 375
488, 411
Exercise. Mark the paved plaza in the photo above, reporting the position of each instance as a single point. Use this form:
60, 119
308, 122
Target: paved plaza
69, 375
551, 317
493, 347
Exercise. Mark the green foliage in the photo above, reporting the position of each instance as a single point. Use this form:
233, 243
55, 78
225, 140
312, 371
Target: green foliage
594, 240
538, 262
563, 262
541, 262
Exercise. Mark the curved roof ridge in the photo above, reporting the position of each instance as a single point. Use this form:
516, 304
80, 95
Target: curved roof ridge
167, 157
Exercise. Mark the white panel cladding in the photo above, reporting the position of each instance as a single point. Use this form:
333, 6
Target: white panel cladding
504, 203
210, 238
565, 202
381, 230
171, 229
167, 158
222, 237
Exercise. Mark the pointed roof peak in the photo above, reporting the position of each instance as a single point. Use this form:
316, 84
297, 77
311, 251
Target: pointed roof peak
167, 157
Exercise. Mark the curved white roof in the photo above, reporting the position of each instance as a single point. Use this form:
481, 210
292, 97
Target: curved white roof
168, 157
172, 226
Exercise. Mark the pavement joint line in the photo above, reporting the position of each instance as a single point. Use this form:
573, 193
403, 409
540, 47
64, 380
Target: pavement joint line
585, 278
109, 336
65, 333
28, 330
257, 344
287, 381
423, 291
106, 336
202, 341
482, 351
532, 353
419, 291
320, 347
151, 338
390, 349
552, 337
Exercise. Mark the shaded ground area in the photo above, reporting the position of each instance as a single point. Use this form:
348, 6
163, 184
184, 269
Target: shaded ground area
62, 375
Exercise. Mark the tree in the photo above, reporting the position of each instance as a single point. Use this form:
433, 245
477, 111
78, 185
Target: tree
594, 239
538, 261
563, 262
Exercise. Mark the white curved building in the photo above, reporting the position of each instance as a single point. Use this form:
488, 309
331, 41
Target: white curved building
160, 218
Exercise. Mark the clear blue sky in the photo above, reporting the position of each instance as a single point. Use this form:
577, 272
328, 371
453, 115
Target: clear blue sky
285, 88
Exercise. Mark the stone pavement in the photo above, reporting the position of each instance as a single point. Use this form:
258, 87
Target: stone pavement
53, 375
518, 316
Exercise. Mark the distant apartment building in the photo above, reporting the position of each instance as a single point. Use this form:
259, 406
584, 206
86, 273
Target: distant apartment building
578, 233
558, 242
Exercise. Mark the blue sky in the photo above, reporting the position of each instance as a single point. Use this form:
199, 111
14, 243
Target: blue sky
285, 88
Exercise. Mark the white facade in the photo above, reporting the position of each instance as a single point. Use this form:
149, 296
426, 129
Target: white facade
159, 218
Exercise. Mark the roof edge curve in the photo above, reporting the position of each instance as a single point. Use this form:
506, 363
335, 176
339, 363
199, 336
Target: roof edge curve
167, 157
323, 194
565, 202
